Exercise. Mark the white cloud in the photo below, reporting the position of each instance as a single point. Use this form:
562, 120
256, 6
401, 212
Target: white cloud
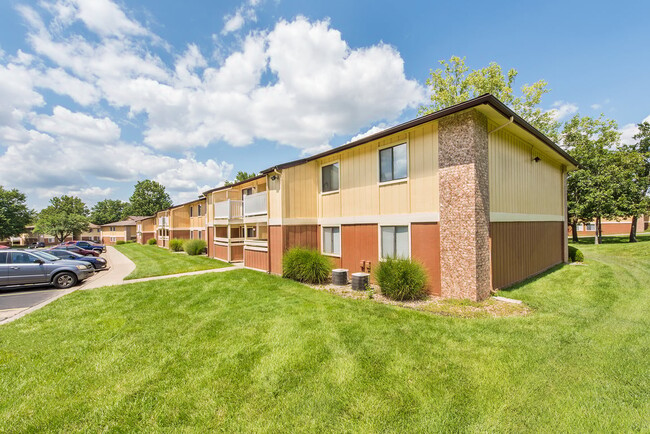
79, 127
373, 130
628, 132
562, 110
596, 106
232, 23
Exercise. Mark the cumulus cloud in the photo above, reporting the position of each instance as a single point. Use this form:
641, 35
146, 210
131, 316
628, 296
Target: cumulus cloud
562, 110
628, 131
298, 84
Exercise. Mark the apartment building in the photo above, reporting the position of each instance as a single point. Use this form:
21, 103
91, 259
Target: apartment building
144, 229
611, 227
473, 192
185, 221
124, 230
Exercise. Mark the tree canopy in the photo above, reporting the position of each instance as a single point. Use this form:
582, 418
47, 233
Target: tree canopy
452, 84
107, 211
148, 198
14, 214
241, 176
65, 216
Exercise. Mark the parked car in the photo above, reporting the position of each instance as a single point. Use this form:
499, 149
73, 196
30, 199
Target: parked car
37, 245
22, 267
97, 263
91, 245
4, 247
77, 249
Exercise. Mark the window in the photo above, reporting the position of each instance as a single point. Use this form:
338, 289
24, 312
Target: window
591, 226
250, 232
3, 257
330, 178
246, 192
191, 235
332, 240
200, 235
198, 213
22, 258
392, 163
580, 227
113, 239
191, 211
395, 241
112, 228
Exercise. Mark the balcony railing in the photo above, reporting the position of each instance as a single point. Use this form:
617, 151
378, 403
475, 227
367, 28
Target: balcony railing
228, 209
255, 204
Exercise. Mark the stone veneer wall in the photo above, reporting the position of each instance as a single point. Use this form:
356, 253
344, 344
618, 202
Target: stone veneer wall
464, 206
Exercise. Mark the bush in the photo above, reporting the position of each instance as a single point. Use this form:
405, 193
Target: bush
305, 265
576, 255
176, 245
401, 279
152, 242
120, 242
194, 247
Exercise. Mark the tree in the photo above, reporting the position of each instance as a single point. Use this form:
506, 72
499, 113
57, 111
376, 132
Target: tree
241, 176
148, 198
633, 163
107, 211
14, 214
592, 187
452, 85
66, 215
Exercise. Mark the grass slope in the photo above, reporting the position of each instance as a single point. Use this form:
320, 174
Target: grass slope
243, 351
155, 261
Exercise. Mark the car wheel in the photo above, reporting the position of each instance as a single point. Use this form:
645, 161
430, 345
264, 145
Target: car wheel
65, 280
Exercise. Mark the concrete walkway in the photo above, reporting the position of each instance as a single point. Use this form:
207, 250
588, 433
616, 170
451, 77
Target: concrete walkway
120, 267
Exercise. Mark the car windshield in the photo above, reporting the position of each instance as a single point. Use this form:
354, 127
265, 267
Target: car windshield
46, 256
62, 253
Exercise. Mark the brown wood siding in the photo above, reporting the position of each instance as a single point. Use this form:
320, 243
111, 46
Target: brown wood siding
221, 252
523, 249
255, 259
210, 242
237, 254
300, 236
622, 228
146, 237
276, 248
425, 249
359, 242
183, 235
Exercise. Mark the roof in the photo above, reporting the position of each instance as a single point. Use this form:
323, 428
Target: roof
137, 218
223, 187
186, 203
120, 223
486, 99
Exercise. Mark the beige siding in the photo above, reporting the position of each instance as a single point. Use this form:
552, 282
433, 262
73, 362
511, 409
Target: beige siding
518, 184
275, 197
300, 191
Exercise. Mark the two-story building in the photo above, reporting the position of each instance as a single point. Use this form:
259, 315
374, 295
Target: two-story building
185, 221
473, 192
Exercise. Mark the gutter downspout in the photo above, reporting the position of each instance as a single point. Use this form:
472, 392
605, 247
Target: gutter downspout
512, 119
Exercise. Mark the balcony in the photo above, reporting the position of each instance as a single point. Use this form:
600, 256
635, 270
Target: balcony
228, 209
255, 204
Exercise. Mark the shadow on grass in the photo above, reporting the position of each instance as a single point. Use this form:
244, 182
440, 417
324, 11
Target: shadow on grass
535, 278
609, 239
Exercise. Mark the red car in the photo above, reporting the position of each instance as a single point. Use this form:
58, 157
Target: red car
3, 247
77, 249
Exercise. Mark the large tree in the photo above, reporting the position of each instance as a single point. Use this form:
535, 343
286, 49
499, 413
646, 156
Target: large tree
65, 216
633, 180
452, 84
14, 214
592, 187
148, 198
241, 176
107, 211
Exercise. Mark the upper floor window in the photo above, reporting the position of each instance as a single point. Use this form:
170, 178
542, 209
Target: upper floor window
330, 178
198, 213
393, 163
192, 211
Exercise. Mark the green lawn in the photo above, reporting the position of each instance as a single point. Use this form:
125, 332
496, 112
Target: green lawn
155, 261
244, 351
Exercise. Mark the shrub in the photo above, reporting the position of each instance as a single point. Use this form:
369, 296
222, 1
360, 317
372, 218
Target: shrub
176, 245
194, 247
120, 242
401, 279
576, 255
152, 241
305, 265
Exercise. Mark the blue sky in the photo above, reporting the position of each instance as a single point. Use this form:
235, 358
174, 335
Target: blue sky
96, 94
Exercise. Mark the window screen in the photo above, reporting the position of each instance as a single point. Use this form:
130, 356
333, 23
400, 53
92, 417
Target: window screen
332, 240
394, 241
393, 163
330, 178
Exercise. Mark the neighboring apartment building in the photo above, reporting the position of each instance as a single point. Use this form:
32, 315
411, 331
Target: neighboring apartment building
472, 192
611, 227
124, 230
28, 237
144, 229
185, 221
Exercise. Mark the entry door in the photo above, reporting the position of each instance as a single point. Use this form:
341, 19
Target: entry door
246, 191
24, 269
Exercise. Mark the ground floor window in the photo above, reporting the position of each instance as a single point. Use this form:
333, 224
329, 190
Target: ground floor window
394, 242
591, 226
332, 240
112, 239
191, 235
200, 233
580, 227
